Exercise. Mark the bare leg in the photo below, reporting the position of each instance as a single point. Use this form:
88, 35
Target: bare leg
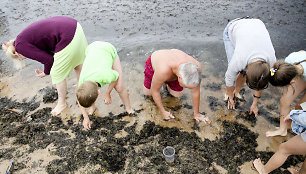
259, 166
240, 80
175, 93
292, 92
293, 171
294, 146
78, 70
61, 104
120, 88
146, 91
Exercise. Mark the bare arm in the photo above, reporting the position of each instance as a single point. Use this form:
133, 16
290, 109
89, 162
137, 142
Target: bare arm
196, 104
230, 94
116, 67
156, 84
196, 100
233, 69
253, 108
86, 121
287, 98
230, 91
107, 96
32, 52
111, 87
257, 94
155, 87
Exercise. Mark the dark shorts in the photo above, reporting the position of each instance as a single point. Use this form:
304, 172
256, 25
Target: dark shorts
149, 72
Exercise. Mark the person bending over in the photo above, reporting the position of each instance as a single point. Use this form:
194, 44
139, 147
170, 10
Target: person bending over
250, 54
178, 70
59, 44
101, 67
291, 75
294, 146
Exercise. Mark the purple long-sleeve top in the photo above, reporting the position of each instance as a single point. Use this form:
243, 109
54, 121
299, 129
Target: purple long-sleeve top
40, 40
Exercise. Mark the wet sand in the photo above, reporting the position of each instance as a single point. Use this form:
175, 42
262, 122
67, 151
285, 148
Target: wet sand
137, 29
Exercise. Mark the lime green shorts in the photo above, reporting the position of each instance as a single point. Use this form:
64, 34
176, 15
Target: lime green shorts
69, 57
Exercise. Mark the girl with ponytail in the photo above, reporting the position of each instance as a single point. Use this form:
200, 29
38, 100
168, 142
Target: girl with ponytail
291, 74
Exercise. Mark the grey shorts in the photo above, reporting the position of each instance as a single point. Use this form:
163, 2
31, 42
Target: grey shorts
229, 47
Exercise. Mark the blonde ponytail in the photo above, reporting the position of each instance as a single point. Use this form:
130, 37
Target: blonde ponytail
9, 49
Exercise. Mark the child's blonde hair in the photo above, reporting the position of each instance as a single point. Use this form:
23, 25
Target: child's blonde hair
9, 49
87, 93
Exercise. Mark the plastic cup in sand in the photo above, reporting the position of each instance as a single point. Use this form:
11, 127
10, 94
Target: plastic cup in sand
169, 153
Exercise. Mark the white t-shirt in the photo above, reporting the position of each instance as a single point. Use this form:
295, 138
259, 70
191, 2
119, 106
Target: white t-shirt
252, 42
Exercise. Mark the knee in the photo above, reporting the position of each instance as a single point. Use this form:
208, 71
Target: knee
78, 67
120, 89
176, 94
146, 91
283, 149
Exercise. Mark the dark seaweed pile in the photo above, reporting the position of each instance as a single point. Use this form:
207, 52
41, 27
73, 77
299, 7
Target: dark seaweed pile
49, 94
24, 105
214, 103
213, 86
135, 153
247, 117
268, 116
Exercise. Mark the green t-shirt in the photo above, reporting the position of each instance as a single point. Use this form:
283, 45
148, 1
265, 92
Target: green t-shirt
98, 63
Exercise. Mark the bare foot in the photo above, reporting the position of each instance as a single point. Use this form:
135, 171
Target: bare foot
130, 111
278, 132
167, 116
259, 166
292, 170
58, 109
91, 109
202, 119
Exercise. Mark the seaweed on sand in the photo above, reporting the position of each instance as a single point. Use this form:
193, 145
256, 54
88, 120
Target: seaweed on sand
137, 152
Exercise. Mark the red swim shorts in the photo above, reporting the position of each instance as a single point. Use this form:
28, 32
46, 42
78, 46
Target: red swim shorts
149, 72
